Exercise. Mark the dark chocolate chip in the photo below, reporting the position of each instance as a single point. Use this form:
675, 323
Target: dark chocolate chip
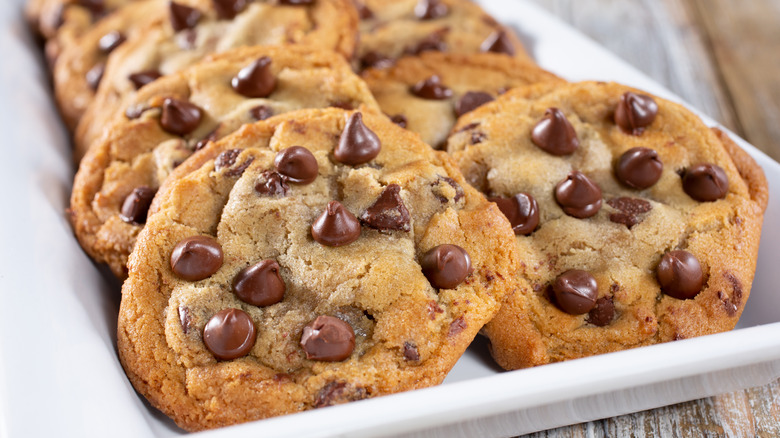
437, 189
136, 205
95, 75
430, 43
183, 16
705, 182
411, 352
376, 60
388, 212
272, 184
477, 137
400, 120
144, 78
358, 144
731, 303
211, 136
185, 317
554, 134
603, 313
111, 41
363, 11
446, 266
575, 291
336, 226
260, 284
226, 159
228, 9
430, 9
498, 42
296, 2
639, 168
196, 258
179, 117
230, 334
328, 339
261, 112
679, 274
256, 79
630, 209
298, 164
342, 105
457, 326
578, 195
522, 210
96, 7
339, 392
471, 101
431, 88
635, 112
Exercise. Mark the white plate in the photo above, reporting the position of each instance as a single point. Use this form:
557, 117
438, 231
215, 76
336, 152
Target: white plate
59, 372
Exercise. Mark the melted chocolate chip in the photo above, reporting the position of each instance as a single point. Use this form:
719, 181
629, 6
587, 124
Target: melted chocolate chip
230, 334
457, 326
297, 164
336, 226
630, 209
498, 42
376, 60
400, 120
635, 112
228, 9
554, 134
430, 9
432, 89
183, 17
358, 144
256, 79
578, 195
680, 275
179, 117
705, 182
731, 303
144, 78
388, 212
339, 392
575, 291
196, 258
211, 136
95, 75
343, 105
639, 168
442, 196
111, 41
136, 205
430, 43
261, 112
471, 101
363, 11
96, 7
272, 184
522, 210
185, 317
446, 266
226, 159
260, 284
477, 137
328, 339
296, 2
411, 352
603, 313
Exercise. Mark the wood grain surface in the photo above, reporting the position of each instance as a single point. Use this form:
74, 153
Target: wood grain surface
723, 57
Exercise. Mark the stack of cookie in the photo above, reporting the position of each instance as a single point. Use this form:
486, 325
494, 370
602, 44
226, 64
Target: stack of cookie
312, 202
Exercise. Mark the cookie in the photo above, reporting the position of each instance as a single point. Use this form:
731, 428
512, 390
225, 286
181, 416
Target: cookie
427, 93
390, 30
312, 259
638, 223
174, 115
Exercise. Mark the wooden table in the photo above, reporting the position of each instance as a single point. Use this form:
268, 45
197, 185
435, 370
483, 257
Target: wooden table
723, 57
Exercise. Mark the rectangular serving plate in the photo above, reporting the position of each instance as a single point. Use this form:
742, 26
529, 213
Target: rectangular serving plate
59, 371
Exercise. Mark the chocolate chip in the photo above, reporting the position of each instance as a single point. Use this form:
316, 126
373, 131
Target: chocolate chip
363, 11
179, 117
705, 182
185, 318
111, 41
578, 195
272, 184
183, 17
575, 291
635, 112
440, 195
211, 136
639, 168
96, 7
144, 78
342, 105
196, 258
430, 43
431, 88
261, 112
554, 134
260, 284
298, 164
229, 334
336, 226
679, 274
328, 339
358, 144
388, 212
375, 60
471, 101
477, 137
522, 210
498, 42
603, 313
256, 79
446, 266
296, 2
457, 326
227, 159
136, 205
339, 392
228, 9
731, 304
630, 209
399, 119
430, 9
95, 75
411, 352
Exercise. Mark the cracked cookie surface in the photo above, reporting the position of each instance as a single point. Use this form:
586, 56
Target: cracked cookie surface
640, 238
240, 207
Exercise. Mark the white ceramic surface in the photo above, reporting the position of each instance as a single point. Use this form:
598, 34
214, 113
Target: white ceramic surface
59, 372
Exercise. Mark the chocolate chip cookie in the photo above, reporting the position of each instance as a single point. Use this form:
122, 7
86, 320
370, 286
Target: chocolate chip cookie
391, 29
312, 259
177, 114
637, 223
427, 93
